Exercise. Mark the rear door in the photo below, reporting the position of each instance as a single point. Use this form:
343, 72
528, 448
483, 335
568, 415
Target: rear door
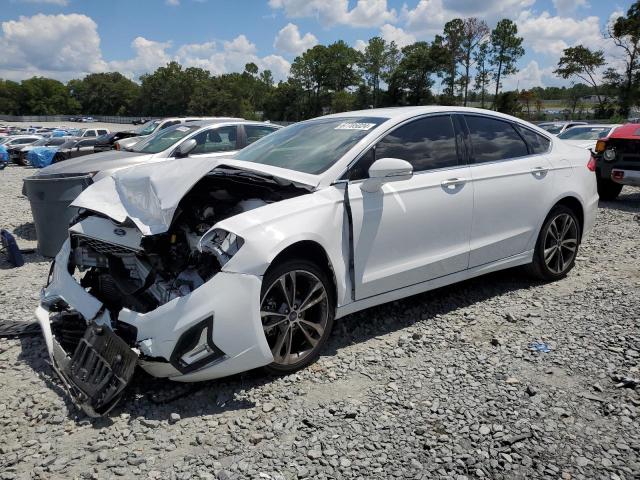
511, 186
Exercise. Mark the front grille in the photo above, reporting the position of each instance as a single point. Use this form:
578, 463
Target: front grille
105, 248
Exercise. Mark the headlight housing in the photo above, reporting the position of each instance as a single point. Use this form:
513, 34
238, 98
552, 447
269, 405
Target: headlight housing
224, 245
609, 154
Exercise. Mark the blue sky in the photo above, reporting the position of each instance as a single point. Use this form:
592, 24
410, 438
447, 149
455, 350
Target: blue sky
68, 38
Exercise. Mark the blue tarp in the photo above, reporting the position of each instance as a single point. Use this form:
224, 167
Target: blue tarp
4, 155
40, 157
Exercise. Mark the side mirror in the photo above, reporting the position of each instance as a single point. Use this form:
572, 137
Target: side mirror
185, 148
387, 170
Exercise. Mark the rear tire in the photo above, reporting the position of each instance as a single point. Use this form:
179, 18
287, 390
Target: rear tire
297, 308
608, 189
557, 245
22, 160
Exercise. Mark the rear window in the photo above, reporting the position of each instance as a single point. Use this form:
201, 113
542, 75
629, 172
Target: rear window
537, 143
494, 139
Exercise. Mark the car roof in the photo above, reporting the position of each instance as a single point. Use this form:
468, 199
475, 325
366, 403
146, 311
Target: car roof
204, 123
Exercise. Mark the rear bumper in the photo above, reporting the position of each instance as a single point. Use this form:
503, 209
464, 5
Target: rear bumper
227, 306
626, 177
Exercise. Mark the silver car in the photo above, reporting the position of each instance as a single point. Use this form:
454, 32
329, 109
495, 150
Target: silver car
54, 187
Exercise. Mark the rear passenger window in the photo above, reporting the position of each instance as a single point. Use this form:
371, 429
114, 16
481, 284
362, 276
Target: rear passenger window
427, 144
256, 132
494, 139
537, 143
90, 133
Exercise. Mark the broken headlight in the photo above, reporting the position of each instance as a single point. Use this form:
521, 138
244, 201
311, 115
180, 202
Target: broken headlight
220, 243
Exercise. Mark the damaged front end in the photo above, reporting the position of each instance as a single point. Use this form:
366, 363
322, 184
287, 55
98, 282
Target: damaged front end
117, 298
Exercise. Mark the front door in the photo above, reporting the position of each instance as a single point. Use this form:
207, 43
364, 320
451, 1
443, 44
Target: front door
415, 230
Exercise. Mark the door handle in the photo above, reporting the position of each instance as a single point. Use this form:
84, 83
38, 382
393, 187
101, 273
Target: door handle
539, 170
453, 182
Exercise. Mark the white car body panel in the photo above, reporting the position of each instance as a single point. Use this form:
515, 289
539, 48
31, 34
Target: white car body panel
434, 229
410, 231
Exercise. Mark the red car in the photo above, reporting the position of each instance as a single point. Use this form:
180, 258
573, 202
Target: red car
618, 160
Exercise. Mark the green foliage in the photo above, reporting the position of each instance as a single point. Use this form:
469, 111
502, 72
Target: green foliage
507, 102
45, 96
506, 49
105, 93
377, 62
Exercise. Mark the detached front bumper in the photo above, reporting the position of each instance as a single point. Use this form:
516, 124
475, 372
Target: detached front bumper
213, 332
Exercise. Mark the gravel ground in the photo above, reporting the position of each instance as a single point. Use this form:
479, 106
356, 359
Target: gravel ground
440, 385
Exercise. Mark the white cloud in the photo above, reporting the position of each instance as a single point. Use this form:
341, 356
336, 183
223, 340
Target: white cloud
396, 34
360, 45
550, 35
59, 46
567, 7
289, 40
149, 55
172, 3
429, 16
366, 13
233, 56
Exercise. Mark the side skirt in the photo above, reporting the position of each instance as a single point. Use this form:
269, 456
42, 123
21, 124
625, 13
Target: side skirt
513, 261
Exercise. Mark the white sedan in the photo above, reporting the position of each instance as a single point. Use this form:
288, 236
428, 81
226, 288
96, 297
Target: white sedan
206, 267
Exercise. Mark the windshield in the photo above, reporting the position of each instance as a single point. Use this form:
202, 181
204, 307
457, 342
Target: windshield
310, 147
165, 139
585, 133
148, 128
52, 142
551, 128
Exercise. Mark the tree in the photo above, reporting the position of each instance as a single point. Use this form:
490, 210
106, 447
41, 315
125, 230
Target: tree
377, 62
625, 33
342, 61
527, 97
412, 76
474, 32
483, 74
452, 43
507, 102
311, 72
45, 96
105, 93
506, 49
9, 97
583, 63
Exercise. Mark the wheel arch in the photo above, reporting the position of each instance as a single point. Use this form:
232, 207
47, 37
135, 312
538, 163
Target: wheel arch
576, 207
312, 251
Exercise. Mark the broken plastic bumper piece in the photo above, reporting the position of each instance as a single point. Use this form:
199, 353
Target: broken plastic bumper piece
96, 373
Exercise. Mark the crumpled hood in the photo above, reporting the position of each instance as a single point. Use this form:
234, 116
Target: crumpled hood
96, 162
588, 144
149, 194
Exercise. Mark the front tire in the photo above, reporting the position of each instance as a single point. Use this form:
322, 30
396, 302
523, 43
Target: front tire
557, 245
297, 308
608, 189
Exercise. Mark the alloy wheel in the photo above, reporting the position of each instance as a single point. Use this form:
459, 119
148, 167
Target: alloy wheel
294, 312
560, 243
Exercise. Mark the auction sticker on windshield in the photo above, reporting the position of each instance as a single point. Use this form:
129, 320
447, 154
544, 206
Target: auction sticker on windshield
355, 126
183, 129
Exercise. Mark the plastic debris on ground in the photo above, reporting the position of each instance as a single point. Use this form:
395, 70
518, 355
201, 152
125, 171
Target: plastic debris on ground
9, 247
40, 157
540, 347
4, 156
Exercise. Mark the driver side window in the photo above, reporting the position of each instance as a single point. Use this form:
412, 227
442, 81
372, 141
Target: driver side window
426, 143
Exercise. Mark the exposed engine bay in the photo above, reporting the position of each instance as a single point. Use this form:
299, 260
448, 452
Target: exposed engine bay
173, 264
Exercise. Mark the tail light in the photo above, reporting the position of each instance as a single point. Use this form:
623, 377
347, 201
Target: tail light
117, 145
617, 174
591, 164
